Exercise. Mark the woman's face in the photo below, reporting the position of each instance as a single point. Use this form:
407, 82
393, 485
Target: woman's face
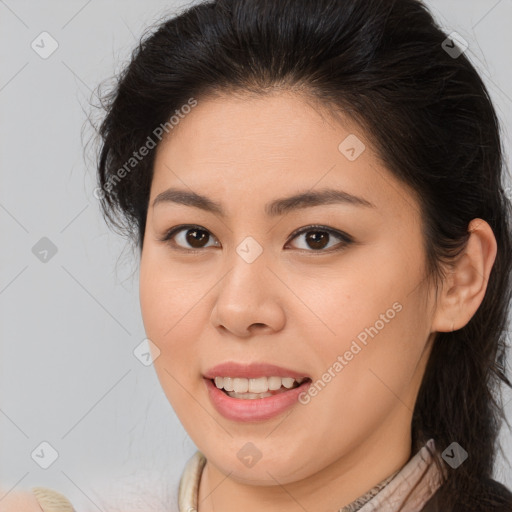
354, 315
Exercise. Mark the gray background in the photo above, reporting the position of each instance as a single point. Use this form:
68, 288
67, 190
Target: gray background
68, 326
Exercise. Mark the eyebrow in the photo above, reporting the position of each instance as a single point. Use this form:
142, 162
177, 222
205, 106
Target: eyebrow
274, 208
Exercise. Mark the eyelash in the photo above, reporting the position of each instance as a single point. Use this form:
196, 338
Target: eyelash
345, 239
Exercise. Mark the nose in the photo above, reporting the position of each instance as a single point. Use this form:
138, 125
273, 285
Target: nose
249, 298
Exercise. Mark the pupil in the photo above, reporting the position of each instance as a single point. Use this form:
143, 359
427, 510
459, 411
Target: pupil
192, 241
313, 242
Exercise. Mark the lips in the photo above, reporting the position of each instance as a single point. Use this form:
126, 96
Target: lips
252, 371
253, 410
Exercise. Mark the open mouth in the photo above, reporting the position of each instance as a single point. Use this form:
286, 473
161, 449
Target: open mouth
251, 396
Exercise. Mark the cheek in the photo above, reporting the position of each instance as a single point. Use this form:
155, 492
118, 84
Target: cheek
376, 325
364, 384
343, 301
167, 297
375, 363
166, 324
169, 323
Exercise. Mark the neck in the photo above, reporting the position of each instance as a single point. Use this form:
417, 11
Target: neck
328, 490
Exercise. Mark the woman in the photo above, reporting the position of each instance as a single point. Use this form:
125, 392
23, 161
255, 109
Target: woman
317, 195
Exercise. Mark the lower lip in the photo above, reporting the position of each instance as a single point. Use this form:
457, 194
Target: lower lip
257, 409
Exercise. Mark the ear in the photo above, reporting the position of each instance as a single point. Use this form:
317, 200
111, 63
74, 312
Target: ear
465, 285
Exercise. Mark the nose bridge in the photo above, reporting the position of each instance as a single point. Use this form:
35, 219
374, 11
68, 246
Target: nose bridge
246, 294
247, 265
249, 250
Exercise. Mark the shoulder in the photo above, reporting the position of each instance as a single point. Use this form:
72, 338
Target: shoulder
21, 501
487, 496
51, 500
496, 496
38, 499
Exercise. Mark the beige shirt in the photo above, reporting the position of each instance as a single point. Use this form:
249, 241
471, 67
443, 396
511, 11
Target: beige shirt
393, 493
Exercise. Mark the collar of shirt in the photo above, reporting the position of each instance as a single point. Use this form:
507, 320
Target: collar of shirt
406, 490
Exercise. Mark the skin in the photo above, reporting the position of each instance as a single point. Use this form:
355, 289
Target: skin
18, 501
291, 307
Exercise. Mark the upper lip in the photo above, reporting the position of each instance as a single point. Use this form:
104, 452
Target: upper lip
251, 371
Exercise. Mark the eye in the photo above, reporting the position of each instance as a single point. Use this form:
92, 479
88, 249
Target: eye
318, 237
197, 237
193, 235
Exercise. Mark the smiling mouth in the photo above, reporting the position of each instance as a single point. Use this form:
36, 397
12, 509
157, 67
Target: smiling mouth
270, 392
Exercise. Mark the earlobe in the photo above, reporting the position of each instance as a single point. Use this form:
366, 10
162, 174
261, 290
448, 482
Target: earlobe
466, 283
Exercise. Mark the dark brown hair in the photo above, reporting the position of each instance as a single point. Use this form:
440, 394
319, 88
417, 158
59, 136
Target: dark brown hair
428, 115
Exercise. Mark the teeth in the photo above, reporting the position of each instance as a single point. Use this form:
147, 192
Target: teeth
274, 383
248, 396
240, 385
259, 385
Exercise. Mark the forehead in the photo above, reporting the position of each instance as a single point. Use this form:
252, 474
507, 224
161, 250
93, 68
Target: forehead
253, 147
238, 128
